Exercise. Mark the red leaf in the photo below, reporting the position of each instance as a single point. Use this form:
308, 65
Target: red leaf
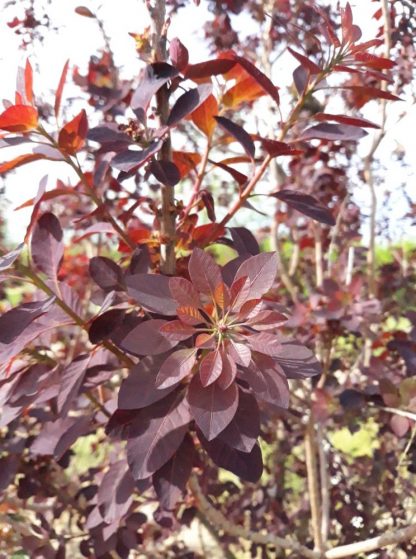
206, 234
305, 62
244, 91
59, 90
203, 116
373, 61
240, 353
261, 270
189, 315
176, 367
363, 94
210, 368
186, 161
266, 320
178, 54
351, 120
229, 371
176, 330
19, 160
28, 82
239, 177
83, 11
208, 68
204, 272
238, 133
306, 204
211, 407
72, 136
19, 118
265, 343
261, 78
184, 292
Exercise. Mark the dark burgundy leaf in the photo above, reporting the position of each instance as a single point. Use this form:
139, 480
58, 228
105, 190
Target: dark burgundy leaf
152, 292
109, 134
204, 271
7, 260
156, 434
268, 381
106, 273
263, 81
306, 204
350, 120
115, 493
188, 102
242, 432
129, 159
176, 330
57, 436
297, 361
238, 133
8, 468
246, 465
177, 366
178, 54
301, 79
275, 148
211, 407
170, 481
333, 132
208, 201
140, 261
209, 68
146, 339
102, 327
261, 270
244, 241
47, 248
165, 172
239, 177
15, 321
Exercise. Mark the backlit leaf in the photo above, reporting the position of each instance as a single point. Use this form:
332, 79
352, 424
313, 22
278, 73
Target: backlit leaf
60, 88
19, 118
18, 161
178, 54
343, 119
208, 68
203, 116
261, 78
72, 136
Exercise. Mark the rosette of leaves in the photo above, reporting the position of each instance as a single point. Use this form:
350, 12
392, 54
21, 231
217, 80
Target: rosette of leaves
212, 354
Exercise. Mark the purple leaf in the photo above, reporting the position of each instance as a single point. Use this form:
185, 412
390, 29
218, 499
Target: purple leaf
242, 432
115, 492
261, 270
333, 132
204, 271
106, 273
184, 292
152, 292
47, 248
146, 339
139, 389
176, 330
212, 408
156, 434
238, 133
188, 102
15, 321
8, 468
151, 79
176, 367
297, 361
57, 436
306, 204
170, 481
244, 241
71, 381
130, 159
268, 381
240, 353
246, 465
165, 172
266, 343
7, 260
